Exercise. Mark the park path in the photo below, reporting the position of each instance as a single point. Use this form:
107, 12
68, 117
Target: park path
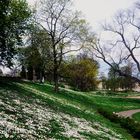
128, 113
133, 97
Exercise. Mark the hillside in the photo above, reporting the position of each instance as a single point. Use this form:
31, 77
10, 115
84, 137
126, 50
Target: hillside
33, 111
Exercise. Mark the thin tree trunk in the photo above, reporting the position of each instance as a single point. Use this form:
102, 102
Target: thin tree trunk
34, 76
55, 69
40, 76
55, 77
26, 75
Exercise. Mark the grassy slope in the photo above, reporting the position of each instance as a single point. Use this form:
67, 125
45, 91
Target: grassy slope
112, 104
87, 104
75, 104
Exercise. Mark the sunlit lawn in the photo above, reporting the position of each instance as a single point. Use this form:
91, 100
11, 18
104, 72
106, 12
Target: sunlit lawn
30, 110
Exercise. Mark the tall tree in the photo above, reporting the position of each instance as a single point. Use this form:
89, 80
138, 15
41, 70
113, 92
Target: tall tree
65, 29
37, 55
14, 16
124, 45
112, 73
115, 81
127, 83
113, 78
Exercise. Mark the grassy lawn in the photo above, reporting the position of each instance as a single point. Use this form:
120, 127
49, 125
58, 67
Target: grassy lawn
92, 101
34, 111
137, 116
115, 94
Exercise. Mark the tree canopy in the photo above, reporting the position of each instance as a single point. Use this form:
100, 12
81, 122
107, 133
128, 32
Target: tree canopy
14, 18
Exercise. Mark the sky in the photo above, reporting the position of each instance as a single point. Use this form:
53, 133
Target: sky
98, 11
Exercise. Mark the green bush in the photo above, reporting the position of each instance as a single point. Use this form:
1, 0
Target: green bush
110, 93
129, 124
61, 85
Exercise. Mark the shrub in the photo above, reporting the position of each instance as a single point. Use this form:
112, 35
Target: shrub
129, 124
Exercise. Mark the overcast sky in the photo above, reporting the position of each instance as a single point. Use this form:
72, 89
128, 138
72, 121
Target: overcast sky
97, 11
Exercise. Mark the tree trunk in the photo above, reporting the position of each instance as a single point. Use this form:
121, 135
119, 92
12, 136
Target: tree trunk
34, 76
26, 74
55, 78
41, 77
55, 68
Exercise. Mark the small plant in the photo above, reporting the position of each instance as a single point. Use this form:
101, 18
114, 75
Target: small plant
62, 85
110, 93
99, 93
55, 129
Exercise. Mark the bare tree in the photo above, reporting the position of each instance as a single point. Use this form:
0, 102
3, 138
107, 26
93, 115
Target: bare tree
123, 46
65, 29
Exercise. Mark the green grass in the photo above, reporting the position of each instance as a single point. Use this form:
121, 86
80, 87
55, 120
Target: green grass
88, 105
137, 116
112, 104
115, 94
55, 129
77, 104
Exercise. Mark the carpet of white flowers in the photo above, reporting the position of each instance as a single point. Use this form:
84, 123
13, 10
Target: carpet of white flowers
23, 117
